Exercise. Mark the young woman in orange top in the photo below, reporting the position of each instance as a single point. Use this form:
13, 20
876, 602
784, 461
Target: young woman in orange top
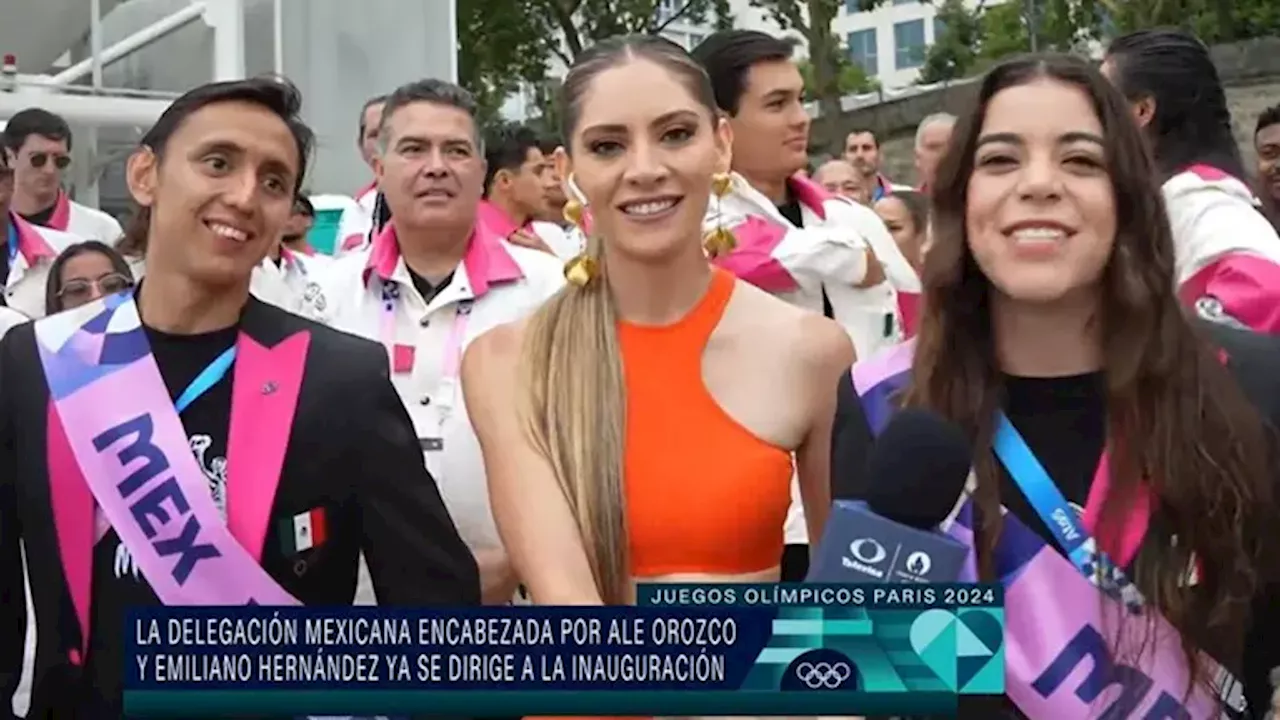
641, 426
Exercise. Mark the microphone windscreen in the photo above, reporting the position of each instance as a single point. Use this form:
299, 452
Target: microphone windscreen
918, 468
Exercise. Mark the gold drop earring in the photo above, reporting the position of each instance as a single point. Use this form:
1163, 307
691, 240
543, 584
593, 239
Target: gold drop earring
721, 240
581, 269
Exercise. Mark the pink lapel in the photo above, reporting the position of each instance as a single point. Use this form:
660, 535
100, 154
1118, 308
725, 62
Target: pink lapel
384, 254
488, 262
61, 218
809, 194
74, 522
31, 243
264, 397
499, 223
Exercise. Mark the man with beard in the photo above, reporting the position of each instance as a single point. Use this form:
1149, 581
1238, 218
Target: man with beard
862, 151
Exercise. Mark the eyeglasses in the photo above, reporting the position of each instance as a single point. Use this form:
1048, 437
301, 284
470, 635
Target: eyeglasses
79, 291
39, 159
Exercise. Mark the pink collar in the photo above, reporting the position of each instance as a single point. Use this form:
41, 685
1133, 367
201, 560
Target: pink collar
1209, 173
287, 257
61, 217
31, 243
497, 220
810, 194
371, 187
487, 261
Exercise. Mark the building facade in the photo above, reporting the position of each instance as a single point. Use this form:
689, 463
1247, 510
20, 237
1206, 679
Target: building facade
890, 42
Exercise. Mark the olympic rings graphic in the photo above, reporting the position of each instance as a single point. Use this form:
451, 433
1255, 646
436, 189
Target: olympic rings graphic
823, 674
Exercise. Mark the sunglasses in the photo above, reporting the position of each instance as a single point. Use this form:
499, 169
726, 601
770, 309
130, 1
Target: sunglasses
39, 159
80, 290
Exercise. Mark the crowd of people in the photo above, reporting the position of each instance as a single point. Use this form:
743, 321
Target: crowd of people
543, 370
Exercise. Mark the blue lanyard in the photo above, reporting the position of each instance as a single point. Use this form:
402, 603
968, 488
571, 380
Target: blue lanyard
13, 241
1039, 489
1092, 562
1058, 515
208, 377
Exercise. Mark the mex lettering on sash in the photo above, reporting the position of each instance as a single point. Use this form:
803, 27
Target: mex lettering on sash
156, 506
1134, 685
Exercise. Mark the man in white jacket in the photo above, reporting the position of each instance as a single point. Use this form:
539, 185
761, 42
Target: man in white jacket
794, 239
818, 251
38, 144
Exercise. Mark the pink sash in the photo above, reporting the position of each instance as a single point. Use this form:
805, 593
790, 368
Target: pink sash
1060, 631
131, 448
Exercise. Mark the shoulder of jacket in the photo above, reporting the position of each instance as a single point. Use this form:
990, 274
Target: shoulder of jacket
541, 270
59, 240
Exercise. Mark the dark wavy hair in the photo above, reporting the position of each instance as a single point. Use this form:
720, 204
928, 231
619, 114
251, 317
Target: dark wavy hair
1178, 417
275, 94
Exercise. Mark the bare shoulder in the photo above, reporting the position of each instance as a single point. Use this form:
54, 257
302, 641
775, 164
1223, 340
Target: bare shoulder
822, 343
496, 352
815, 341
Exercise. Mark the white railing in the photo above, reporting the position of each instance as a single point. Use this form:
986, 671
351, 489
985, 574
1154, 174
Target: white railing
81, 105
849, 103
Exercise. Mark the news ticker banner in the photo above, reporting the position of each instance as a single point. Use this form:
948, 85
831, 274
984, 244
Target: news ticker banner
766, 649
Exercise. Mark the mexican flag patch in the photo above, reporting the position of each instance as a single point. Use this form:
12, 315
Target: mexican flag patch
303, 531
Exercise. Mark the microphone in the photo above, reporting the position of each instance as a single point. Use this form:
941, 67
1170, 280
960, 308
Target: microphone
918, 469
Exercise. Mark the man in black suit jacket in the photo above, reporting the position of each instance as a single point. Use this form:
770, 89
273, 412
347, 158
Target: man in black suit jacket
303, 408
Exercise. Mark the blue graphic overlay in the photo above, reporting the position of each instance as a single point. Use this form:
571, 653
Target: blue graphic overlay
684, 650
80, 346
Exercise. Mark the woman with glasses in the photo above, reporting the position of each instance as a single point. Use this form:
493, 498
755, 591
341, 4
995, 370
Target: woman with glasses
83, 273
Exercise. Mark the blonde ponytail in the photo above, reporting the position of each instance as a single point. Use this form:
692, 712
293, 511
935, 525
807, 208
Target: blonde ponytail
572, 369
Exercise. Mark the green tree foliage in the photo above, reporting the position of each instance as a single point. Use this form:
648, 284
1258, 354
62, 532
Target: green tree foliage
501, 44
504, 45
829, 61
582, 22
1215, 21
955, 48
852, 80
975, 38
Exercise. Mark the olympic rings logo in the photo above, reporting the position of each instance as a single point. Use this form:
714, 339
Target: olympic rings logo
829, 675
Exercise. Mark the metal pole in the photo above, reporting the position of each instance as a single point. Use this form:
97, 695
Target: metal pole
140, 39
453, 40
277, 11
89, 173
95, 41
1033, 25
226, 17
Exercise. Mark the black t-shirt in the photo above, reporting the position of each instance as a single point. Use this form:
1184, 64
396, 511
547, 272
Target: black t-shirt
117, 585
1063, 421
792, 212
42, 217
425, 288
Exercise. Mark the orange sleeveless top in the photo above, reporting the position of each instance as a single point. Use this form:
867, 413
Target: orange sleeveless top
703, 494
